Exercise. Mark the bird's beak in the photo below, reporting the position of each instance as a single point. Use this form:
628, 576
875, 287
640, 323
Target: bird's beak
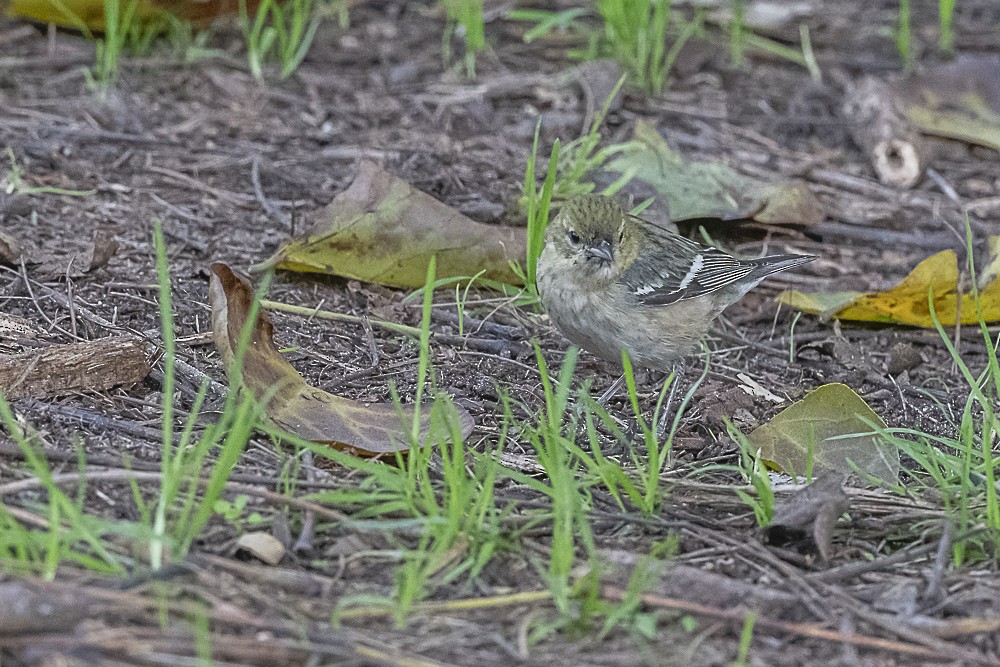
602, 251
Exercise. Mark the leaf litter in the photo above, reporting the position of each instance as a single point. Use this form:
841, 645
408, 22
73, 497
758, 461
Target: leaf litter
382, 230
291, 404
910, 301
806, 519
68, 258
703, 189
890, 537
831, 428
896, 120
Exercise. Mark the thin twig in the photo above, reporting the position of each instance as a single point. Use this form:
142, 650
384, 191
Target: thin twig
814, 631
258, 190
129, 475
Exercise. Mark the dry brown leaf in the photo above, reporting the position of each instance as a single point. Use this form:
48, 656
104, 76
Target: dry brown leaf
383, 230
10, 249
364, 429
806, 519
74, 261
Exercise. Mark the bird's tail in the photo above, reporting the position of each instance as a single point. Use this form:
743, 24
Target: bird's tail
765, 266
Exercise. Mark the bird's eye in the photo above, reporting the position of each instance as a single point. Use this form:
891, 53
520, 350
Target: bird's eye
574, 238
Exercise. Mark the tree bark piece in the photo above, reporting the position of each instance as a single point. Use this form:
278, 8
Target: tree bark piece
58, 369
880, 129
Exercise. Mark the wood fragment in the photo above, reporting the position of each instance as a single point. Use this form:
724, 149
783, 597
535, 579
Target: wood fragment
57, 369
879, 128
29, 609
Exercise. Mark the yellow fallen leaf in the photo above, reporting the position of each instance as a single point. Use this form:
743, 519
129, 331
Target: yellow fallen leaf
989, 275
382, 230
88, 15
830, 428
818, 303
907, 302
977, 125
293, 405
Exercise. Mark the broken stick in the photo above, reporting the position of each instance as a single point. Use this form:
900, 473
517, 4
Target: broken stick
58, 369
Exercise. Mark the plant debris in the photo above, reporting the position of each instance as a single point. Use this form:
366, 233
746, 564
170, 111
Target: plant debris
805, 520
382, 230
831, 428
910, 301
56, 370
712, 189
291, 404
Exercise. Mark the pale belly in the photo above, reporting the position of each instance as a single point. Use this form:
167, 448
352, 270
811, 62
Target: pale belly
593, 323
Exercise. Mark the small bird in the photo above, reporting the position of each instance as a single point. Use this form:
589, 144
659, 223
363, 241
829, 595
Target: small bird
612, 281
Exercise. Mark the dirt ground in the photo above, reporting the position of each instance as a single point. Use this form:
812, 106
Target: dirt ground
230, 166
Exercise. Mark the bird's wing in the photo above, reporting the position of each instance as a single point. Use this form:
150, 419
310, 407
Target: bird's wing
684, 270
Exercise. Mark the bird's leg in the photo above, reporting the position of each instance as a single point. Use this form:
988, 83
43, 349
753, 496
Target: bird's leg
610, 392
667, 409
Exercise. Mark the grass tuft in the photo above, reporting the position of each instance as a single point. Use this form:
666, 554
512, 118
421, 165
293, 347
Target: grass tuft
637, 33
946, 25
960, 469
464, 19
538, 201
280, 31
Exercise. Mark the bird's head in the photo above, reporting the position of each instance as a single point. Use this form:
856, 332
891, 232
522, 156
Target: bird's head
594, 235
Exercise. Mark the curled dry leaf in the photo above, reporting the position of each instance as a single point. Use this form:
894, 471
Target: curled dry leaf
364, 429
830, 429
264, 546
711, 189
806, 519
10, 249
382, 230
908, 302
75, 260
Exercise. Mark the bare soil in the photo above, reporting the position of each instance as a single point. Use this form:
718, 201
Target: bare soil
233, 168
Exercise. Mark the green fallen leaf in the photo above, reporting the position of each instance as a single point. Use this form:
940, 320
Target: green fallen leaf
968, 125
958, 100
711, 189
829, 429
382, 230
